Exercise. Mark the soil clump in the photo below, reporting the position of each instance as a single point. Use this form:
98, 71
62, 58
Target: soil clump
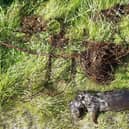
100, 60
33, 24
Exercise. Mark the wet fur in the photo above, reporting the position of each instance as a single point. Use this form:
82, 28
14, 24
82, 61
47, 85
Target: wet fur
97, 102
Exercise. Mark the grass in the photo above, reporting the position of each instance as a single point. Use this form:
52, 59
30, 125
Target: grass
26, 99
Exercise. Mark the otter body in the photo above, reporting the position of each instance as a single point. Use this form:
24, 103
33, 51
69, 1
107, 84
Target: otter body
97, 102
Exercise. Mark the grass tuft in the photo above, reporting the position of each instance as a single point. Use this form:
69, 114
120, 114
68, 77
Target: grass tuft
28, 99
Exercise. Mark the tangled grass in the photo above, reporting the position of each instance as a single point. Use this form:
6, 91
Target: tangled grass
27, 83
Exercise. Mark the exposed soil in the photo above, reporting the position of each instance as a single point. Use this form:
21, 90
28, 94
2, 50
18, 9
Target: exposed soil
59, 40
100, 60
73, 68
114, 13
33, 24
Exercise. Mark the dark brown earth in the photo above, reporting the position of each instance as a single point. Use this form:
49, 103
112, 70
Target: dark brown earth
114, 13
59, 40
101, 59
33, 24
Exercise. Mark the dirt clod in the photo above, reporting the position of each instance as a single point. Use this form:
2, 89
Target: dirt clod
33, 24
58, 40
100, 60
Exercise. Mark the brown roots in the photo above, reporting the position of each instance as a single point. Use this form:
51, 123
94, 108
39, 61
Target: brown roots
100, 60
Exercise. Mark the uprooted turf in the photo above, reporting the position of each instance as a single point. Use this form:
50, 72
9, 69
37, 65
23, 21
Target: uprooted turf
35, 91
100, 61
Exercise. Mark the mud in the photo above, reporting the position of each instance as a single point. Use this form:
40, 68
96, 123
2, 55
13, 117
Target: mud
114, 13
33, 24
59, 40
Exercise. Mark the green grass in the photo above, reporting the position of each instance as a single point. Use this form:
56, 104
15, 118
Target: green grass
24, 99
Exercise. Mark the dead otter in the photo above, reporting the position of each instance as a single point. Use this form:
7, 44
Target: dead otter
100, 61
97, 102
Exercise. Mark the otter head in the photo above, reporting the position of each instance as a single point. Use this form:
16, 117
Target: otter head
85, 98
79, 106
77, 110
